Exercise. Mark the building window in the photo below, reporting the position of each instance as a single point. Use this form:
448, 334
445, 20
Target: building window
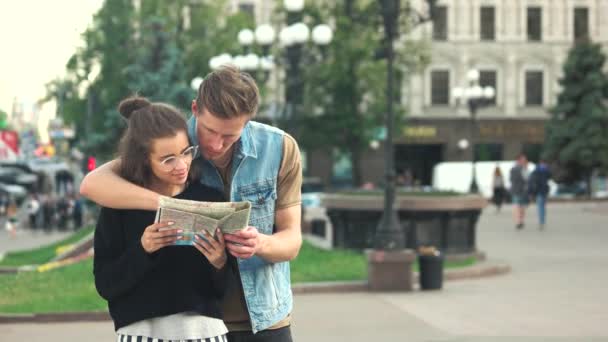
534, 24
440, 87
487, 23
487, 78
488, 152
248, 9
440, 24
581, 23
534, 88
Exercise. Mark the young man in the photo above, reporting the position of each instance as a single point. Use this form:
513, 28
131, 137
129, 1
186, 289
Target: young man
248, 161
539, 189
519, 189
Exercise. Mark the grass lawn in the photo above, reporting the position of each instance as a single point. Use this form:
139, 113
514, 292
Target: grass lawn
65, 289
314, 264
43, 254
71, 288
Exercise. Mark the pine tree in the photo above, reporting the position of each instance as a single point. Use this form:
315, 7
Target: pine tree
577, 134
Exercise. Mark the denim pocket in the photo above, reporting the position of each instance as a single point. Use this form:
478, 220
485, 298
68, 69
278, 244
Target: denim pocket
262, 196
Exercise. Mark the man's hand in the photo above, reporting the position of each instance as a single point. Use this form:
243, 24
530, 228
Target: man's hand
214, 250
155, 237
245, 243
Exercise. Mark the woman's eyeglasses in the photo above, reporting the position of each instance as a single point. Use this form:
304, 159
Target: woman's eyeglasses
170, 163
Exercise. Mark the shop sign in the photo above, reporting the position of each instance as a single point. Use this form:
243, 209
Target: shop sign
420, 132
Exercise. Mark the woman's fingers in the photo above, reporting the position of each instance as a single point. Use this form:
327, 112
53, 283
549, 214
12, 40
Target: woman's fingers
206, 242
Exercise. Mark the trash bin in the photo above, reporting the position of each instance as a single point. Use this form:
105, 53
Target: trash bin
430, 262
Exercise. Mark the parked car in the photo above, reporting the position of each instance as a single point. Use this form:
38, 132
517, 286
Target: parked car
312, 192
16, 192
14, 174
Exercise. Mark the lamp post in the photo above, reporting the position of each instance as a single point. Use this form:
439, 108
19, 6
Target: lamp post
389, 234
389, 263
292, 38
475, 96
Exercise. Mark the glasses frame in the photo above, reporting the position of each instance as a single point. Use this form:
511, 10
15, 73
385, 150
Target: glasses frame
183, 156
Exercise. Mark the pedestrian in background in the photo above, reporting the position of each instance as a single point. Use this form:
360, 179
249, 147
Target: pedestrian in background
519, 189
498, 188
77, 211
11, 218
539, 189
33, 209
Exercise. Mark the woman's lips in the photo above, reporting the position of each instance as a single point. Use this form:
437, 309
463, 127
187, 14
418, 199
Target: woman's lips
180, 175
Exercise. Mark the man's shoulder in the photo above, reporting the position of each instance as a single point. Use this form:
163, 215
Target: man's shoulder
262, 127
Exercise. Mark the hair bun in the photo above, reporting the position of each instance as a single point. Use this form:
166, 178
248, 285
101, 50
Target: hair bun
132, 104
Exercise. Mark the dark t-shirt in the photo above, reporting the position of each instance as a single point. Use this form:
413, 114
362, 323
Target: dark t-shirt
174, 279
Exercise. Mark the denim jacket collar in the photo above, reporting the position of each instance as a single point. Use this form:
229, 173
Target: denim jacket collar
246, 146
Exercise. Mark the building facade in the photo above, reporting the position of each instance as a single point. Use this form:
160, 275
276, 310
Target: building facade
518, 47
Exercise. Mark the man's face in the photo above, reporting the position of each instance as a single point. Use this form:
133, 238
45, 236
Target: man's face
216, 136
523, 160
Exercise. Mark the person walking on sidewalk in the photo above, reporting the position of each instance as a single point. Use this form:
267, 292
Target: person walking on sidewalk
155, 290
539, 189
498, 188
247, 161
519, 189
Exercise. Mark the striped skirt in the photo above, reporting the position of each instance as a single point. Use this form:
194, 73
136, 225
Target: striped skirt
129, 338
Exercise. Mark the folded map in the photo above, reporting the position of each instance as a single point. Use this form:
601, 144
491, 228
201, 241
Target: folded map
194, 217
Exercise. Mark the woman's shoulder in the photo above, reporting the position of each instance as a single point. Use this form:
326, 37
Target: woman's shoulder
198, 192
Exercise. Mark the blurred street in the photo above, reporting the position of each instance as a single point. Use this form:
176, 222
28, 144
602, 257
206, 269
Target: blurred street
556, 292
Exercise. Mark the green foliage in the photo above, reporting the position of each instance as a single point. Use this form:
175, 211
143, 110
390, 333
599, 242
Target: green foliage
151, 50
3, 119
345, 98
577, 134
158, 69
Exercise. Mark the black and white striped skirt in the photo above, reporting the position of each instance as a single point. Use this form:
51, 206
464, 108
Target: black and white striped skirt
129, 338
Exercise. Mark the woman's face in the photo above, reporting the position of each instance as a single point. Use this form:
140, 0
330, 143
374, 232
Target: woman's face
171, 157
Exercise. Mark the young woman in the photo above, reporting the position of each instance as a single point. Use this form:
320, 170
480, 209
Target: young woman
155, 290
498, 188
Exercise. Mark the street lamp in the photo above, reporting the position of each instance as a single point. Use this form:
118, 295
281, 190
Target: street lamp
291, 38
475, 96
389, 234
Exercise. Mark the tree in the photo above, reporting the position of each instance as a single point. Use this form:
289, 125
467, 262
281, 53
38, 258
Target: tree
3, 119
158, 71
577, 133
120, 56
345, 101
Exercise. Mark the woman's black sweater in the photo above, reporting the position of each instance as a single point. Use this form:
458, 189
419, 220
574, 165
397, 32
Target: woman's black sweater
174, 279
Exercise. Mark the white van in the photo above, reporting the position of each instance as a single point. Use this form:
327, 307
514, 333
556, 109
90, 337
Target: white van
456, 176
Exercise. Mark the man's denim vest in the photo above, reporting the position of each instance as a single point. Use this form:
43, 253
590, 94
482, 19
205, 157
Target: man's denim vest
255, 168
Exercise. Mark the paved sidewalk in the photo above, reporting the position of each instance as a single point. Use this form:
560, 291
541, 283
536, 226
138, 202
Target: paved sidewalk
555, 292
27, 239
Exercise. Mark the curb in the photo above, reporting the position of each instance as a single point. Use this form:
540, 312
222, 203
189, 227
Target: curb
486, 269
13, 270
59, 317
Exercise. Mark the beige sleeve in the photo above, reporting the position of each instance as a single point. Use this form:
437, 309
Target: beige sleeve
289, 186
